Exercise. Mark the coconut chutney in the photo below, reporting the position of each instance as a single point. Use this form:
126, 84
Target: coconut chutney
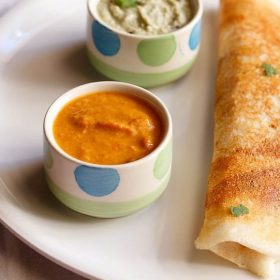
146, 17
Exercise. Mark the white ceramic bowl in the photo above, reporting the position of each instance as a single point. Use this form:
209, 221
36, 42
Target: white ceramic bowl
107, 190
146, 61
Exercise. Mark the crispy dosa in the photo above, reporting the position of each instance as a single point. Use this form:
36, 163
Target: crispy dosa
242, 209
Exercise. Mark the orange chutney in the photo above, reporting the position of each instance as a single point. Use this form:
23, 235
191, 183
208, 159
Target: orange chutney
108, 128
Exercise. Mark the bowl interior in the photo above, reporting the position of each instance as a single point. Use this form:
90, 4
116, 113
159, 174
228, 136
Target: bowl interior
92, 88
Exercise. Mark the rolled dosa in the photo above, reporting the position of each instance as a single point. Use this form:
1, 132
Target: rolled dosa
242, 208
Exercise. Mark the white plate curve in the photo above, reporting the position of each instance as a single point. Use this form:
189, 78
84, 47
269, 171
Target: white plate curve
155, 243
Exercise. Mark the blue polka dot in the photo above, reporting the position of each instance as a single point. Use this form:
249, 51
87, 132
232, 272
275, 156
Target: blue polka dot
97, 181
195, 36
106, 41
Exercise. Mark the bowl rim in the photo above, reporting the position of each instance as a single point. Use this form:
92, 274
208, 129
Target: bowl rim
196, 18
166, 118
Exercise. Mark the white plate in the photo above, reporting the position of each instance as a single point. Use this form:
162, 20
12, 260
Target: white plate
156, 243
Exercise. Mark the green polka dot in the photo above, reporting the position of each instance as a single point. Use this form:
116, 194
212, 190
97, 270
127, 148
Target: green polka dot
141, 79
48, 159
156, 52
163, 162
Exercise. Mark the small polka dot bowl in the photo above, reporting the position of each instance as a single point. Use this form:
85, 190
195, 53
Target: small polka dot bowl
107, 191
147, 61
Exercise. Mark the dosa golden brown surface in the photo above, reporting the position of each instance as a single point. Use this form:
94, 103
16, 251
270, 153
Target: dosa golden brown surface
245, 168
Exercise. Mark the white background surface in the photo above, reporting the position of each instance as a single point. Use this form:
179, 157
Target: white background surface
5, 5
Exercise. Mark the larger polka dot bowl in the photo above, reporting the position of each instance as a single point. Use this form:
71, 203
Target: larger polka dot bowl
146, 61
107, 191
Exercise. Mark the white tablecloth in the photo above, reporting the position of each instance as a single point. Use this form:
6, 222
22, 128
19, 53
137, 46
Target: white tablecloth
17, 260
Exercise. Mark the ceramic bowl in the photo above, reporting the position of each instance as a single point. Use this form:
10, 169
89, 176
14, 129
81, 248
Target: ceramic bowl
146, 61
107, 190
